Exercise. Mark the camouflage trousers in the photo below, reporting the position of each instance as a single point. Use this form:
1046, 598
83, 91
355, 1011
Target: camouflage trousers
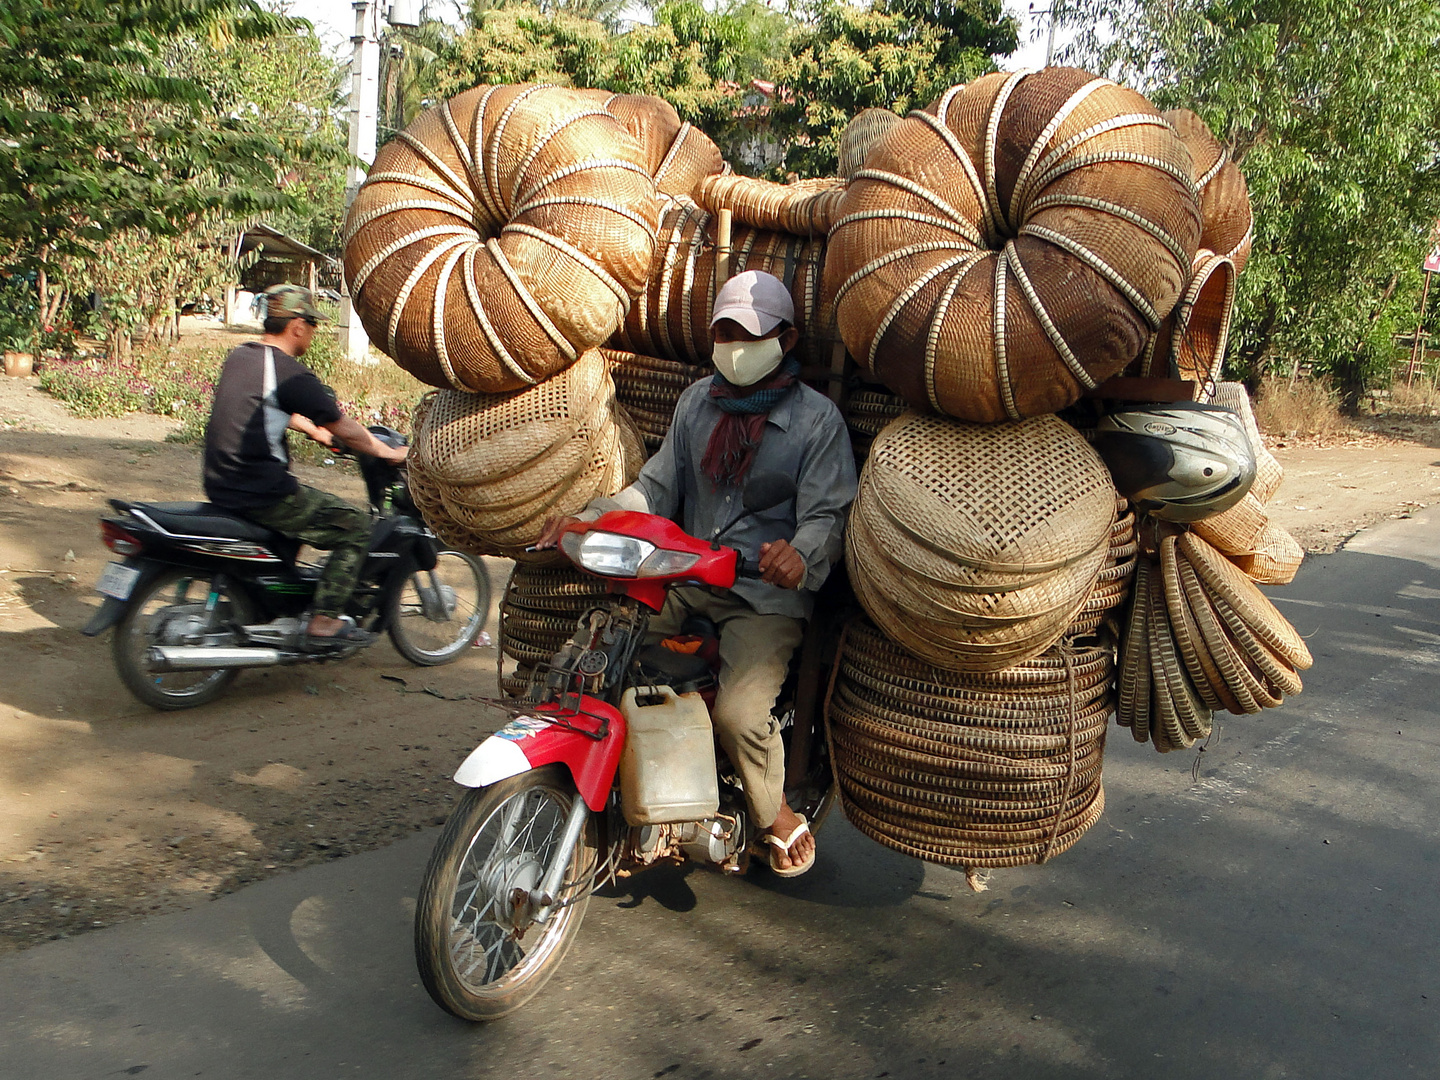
328, 522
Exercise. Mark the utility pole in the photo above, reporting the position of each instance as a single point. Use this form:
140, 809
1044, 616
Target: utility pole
1050, 37
364, 97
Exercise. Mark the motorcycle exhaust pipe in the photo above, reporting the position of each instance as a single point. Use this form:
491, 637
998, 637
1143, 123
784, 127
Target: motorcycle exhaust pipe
206, 658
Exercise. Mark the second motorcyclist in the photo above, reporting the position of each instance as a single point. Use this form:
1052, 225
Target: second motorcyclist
263, 390
752, 418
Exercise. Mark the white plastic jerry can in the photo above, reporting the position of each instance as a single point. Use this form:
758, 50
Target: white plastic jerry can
667, 769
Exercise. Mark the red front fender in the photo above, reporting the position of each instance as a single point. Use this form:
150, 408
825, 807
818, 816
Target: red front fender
586, 739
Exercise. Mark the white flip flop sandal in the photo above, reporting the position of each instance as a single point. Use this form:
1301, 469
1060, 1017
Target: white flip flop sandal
785, 845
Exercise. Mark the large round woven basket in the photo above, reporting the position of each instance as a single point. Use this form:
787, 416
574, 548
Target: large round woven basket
1193, 337
1014, 244
867, 128
1227, 227
975, 546
981, 771
502, 234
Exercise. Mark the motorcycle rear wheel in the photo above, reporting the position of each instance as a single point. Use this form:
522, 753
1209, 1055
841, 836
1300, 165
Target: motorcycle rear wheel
469, 937
158, 615
436, 614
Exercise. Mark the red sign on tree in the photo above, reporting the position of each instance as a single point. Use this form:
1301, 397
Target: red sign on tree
1432, 264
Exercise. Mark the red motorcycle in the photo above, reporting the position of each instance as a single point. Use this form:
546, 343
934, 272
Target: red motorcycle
610, 768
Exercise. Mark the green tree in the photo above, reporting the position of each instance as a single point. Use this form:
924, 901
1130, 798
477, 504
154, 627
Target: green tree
103, 128
894, 54
1332, 111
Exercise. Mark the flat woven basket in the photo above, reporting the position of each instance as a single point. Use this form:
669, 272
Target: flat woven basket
975, 546
980, 771
537, 616
1014, 244
649, 388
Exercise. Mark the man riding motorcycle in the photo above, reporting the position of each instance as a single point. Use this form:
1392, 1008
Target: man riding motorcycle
263, 390
753, 417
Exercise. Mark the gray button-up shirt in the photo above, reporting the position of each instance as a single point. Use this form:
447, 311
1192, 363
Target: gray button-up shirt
805, 438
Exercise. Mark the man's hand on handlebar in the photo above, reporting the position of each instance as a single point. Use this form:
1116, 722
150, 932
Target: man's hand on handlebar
780, 564
550, 532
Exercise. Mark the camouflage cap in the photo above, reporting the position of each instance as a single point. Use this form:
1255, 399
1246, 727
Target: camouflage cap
285, 301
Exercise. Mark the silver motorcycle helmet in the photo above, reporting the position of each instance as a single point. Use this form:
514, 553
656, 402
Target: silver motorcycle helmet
1179, 462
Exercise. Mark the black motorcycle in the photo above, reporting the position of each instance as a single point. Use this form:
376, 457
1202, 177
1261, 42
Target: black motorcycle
202, 592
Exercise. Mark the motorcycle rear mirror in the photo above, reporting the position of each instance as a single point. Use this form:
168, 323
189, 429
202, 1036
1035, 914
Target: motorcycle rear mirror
766, 491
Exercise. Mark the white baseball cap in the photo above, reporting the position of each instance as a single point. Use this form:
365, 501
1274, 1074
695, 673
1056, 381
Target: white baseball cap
756, 300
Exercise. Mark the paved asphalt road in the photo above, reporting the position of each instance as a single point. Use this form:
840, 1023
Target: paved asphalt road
1275, 918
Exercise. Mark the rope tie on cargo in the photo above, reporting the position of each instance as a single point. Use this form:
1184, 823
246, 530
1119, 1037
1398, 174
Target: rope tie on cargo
1067, 653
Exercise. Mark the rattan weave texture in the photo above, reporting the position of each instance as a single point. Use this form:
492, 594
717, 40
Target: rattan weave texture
806, 208
1227, 227
978, 770
1014, 244
508, 229
976, 546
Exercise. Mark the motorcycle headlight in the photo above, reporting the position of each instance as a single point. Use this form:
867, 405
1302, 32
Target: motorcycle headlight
607, 553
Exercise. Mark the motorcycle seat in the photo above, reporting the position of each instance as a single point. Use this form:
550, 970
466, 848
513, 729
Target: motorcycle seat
204, 519
684, 671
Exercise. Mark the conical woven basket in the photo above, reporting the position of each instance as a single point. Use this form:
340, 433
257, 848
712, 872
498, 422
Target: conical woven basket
501, 235
1195, 334
671, 320
1013, 245
977, 770
805, 208
1268, 473
1227, 226
1274, 558
867, 128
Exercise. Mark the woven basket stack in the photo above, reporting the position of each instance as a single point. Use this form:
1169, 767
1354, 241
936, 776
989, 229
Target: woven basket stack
538, 615
488, 469
983, 770
1201, 637
549, 258
975, 546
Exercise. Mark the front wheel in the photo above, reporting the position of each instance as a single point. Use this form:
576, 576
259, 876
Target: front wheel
172, 610
481, 955
438, 613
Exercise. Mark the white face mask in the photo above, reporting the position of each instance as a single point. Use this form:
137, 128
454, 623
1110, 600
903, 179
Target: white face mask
744, 363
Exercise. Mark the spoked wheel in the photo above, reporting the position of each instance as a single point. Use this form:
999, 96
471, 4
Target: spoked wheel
438, 613
480, 952
171, 611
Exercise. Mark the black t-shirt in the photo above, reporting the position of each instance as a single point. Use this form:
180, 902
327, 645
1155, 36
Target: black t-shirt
247, 464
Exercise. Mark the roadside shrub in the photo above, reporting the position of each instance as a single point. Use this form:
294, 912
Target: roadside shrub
1307, 408
180, 383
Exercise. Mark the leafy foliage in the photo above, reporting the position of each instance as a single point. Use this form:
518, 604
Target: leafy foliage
1332, 111
828, 62
895, 54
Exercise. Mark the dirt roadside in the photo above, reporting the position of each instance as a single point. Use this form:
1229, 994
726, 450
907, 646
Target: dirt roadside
109, 810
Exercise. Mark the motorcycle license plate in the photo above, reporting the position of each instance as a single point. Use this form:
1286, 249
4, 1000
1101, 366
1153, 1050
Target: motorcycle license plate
117, 580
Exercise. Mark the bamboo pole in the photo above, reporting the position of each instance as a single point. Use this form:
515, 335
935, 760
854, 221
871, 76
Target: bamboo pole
722, 249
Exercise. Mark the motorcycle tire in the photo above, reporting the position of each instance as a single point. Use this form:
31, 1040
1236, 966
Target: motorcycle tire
437, 614
464, 915
153, 617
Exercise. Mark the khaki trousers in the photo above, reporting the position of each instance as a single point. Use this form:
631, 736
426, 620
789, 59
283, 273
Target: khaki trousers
755, 653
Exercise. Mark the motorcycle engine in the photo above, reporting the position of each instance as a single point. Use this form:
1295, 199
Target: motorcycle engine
714, 840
